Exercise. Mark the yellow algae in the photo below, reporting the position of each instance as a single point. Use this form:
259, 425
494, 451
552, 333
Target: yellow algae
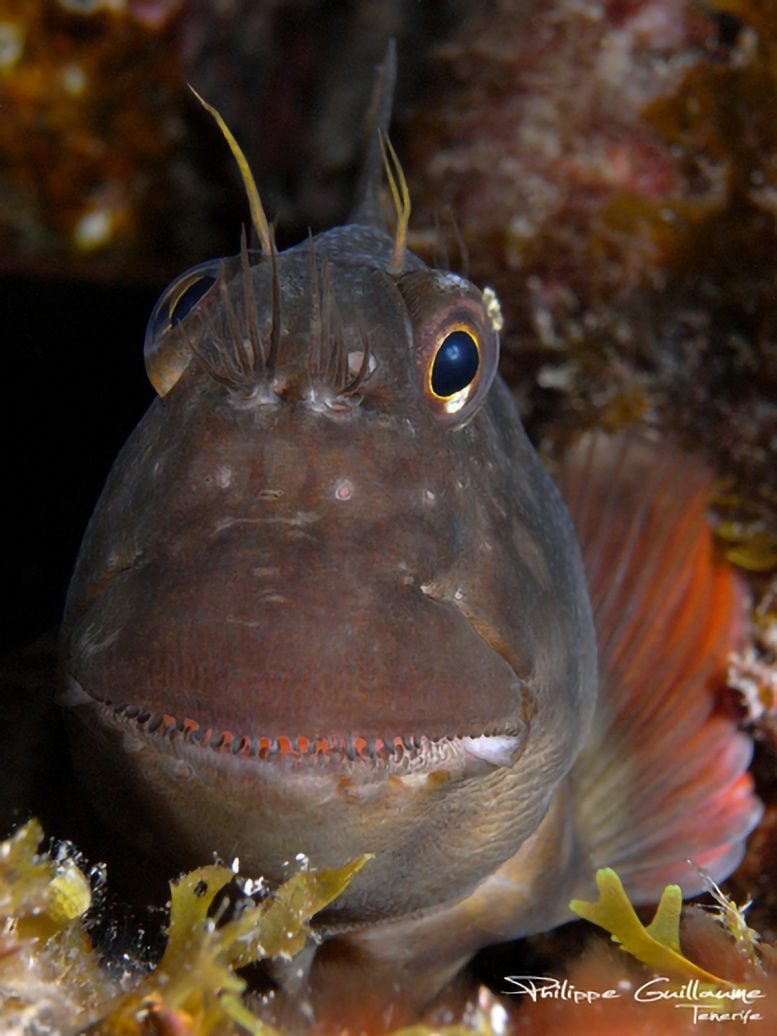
658, 944
196, 982
49, 973
39, 896
52, 980
51, 977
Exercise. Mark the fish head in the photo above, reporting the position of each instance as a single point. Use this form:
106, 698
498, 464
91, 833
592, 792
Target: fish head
329, 602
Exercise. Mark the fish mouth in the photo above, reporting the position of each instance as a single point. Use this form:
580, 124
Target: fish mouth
369, 757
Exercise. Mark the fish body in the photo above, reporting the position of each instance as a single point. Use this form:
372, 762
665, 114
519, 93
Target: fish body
331, 603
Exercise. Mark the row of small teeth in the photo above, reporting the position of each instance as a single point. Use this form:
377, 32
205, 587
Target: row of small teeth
351, 748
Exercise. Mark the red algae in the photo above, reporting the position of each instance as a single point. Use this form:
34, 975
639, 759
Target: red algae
536, 124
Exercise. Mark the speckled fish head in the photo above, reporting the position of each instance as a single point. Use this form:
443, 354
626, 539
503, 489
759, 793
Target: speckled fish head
329, 602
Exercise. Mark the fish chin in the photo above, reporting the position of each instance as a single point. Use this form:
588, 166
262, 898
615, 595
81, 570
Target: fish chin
412, 802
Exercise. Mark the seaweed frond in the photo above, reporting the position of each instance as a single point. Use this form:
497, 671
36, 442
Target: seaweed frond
52, 980
658, 944
196, 984
39, 895
49, 974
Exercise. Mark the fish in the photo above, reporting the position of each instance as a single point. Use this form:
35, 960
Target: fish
330, 604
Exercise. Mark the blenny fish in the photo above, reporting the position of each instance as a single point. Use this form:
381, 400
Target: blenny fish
330, 603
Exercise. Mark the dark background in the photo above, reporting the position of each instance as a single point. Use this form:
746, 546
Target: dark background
74, 388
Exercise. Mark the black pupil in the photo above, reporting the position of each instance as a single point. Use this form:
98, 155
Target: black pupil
455, 364
189, 299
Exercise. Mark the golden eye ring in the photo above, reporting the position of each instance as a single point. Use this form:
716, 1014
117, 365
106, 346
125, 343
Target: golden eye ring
455, 365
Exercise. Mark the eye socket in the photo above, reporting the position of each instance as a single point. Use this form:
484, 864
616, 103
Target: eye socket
455, 364
166, 357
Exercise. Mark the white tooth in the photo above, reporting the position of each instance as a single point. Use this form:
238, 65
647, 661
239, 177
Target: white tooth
73, 694
497, 749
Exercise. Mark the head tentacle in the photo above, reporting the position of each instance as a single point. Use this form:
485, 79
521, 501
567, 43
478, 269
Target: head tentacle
258, 217
401, 197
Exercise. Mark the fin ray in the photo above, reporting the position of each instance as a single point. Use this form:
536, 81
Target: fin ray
368, 209
663, 776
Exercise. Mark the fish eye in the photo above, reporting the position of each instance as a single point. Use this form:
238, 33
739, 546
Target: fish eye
189, 297
181, 297
165, 358
459, 360
453, 371
455, 341
455, 364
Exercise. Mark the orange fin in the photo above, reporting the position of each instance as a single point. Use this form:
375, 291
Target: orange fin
663, 777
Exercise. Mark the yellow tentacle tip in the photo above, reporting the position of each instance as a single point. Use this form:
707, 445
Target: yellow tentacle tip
258, 217
401, 197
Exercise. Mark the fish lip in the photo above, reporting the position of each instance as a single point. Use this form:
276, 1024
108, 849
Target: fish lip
469, 754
